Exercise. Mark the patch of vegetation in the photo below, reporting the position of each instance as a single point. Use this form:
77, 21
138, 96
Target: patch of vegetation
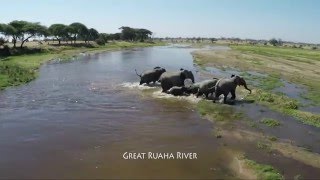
217, 112
272, 138
263, 171
284, 105
283, 52
264, 146
270, 122
267, 83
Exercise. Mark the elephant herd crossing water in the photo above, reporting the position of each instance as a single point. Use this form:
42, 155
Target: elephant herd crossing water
174, 83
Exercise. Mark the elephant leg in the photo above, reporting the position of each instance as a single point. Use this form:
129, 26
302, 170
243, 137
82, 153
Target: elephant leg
206, 95
216, 97
141, 82
233, 93
225, 98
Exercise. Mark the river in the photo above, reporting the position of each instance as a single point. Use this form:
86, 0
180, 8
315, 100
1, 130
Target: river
78, 119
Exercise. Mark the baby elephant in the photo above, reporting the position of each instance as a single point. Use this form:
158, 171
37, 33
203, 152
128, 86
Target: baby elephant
178, 91
207, 87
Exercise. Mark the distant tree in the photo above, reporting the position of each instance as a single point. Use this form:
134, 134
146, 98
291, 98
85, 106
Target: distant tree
127, 33
280, 42
115, 36
8, 30
24, 30
77, 30
198, 39
142, 34
93, 34
213, 40
273, 42
31, 30
59, 31
68, 34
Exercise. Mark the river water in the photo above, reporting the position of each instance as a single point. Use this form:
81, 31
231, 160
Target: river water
78, 118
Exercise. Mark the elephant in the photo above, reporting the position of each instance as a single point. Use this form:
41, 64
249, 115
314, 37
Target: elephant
170, 79
207, 87
151, 75
228, 85
189, 74
178, 91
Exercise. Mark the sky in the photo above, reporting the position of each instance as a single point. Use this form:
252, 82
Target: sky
290, 20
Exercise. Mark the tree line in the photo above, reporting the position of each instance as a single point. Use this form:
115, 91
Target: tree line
23, 30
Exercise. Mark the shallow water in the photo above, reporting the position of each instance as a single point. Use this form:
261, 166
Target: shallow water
78, 118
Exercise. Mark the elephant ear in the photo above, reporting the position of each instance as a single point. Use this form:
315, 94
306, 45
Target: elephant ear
242, 82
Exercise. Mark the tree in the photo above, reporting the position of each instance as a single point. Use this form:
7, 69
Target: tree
31, 30
273, 42
128, 33
115, 36
2, 41
9, 30
23, 30
77, 29
93, 34
59, 31
142, 34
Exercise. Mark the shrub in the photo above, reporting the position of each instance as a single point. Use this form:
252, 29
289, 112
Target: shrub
100, 41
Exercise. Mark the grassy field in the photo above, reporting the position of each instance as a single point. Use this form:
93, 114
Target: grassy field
298, 66
20, 69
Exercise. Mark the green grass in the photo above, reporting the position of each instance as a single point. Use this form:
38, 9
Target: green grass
217, 112
264, 172
270, 122
294, 54
267, 83
21, 69
284, 105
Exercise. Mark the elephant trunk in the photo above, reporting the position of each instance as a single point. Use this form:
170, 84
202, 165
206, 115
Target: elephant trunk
245, 86
138, 74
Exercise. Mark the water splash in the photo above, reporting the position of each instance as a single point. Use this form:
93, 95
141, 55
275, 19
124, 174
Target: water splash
136, 85
161, 95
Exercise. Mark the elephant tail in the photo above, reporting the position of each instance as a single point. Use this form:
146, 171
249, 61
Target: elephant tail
137, 73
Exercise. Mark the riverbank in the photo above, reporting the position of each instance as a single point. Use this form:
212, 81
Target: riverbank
21, 69
272, 68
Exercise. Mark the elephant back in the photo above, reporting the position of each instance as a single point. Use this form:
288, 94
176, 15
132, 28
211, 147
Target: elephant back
170, 79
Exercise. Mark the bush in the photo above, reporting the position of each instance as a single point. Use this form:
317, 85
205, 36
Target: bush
314, 48
100, 41
5, 51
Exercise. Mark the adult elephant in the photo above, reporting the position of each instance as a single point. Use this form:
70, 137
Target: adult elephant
170, 79
151, 75
228, 85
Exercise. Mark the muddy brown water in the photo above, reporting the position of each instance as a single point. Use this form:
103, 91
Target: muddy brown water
78, 118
